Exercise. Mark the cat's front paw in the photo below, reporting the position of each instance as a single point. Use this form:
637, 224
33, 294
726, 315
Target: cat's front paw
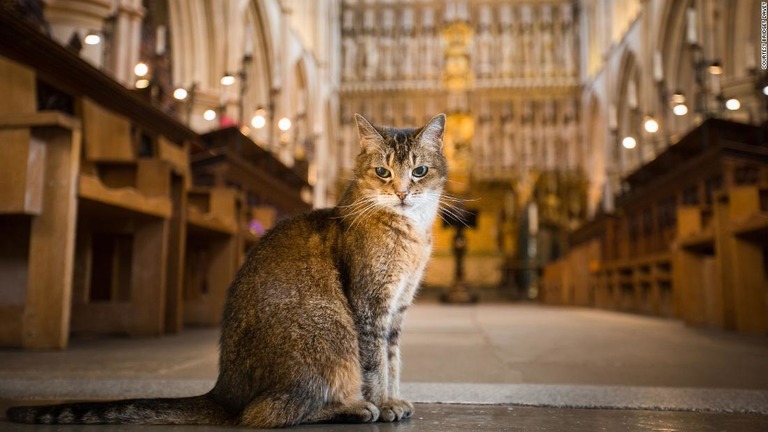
395, 410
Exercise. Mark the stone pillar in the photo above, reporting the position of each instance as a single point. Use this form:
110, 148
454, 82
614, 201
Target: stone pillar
79, 17
126, 40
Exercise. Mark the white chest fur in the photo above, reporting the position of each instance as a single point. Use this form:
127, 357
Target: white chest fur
423, 216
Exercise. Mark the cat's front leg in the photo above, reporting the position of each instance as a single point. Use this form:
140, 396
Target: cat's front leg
374, 337
393, 358
373, 362
394, 408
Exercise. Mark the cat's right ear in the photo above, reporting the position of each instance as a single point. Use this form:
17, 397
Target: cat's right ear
368, 134
432, 133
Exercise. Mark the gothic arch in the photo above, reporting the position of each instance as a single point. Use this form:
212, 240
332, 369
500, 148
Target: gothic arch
268, 20
671, 33
261, 71
264, 21
189, 37
676, 61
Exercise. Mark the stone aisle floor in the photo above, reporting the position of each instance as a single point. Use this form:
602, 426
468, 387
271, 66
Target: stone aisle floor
511, 367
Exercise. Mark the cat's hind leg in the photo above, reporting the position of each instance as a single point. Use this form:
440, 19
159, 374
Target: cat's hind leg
358, 411
343, 400
278, 410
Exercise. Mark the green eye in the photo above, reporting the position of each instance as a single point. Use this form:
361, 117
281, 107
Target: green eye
383, 172
420, 171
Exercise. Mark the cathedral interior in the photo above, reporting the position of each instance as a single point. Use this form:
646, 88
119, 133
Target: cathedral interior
606, 157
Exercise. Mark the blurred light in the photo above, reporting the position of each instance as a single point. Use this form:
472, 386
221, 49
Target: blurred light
228, 79
678, 98
733, 104
256, 227
680, 109
306, 195
209, 114
651, 125
92, 39
141, 69
628, 142
284, 124
180, 93
715, 68
765, 90
258, 121
142, 83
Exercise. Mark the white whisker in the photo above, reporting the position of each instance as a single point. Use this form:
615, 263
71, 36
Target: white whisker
360, 210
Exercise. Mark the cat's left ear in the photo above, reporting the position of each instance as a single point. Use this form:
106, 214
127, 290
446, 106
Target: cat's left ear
432, 133
369, 136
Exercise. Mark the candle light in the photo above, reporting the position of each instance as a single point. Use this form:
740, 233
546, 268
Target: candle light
92, 39
629, 142
651, 125
691, 35
680, 109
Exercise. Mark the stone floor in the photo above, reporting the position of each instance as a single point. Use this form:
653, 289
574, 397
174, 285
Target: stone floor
485, 367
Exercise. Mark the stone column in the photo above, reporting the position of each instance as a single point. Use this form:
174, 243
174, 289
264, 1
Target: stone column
79, 17
126, 40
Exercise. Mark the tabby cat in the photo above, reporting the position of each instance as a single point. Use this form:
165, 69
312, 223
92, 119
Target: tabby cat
311, 326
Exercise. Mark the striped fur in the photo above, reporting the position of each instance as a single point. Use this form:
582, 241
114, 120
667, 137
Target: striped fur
311, 327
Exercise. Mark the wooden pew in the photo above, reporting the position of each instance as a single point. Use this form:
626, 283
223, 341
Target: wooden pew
698, 292
220, 230
119, 211
687, 238
240, 190
721, 271
213, 252
232, 159
742, 259
124, 230
38, 210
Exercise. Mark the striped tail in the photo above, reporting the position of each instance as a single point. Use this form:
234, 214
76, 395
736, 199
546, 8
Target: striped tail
201, 410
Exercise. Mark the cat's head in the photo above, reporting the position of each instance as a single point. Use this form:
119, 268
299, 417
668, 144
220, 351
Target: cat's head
402, 169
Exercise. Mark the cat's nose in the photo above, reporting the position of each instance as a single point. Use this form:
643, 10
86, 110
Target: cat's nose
402, 195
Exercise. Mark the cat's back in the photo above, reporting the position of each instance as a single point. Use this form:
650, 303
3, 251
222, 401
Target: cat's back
307, 242
305, 234
290, 276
